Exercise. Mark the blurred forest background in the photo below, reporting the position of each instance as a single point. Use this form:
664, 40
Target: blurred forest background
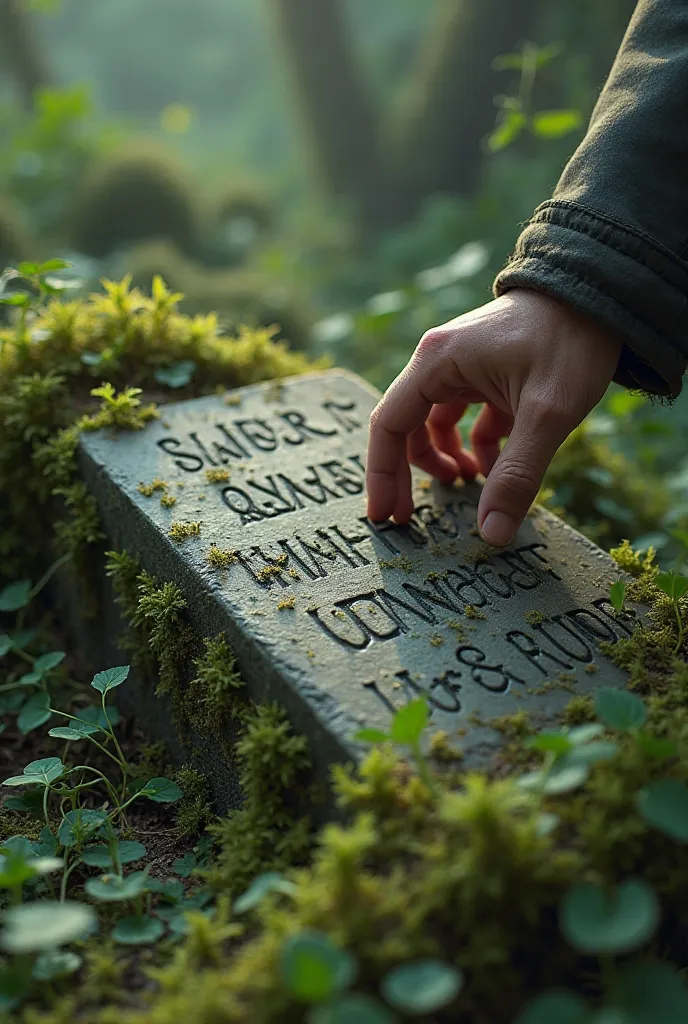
352, 170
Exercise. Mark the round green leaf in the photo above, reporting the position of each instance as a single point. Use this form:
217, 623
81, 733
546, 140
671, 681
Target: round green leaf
620, 709
138, 931
176, 376
561, 778
162, 791
313, 968
594, 920
46, 662
33, 927
55, 963
664, 805
65, 733
409, 722
271, 881
15, 596
592, 753
35, 712
372, 736
352, 1008
105, 681
555, 1008
40, 773
99, 856
185, 865
112, 889
550, 742
652, 994
422, 987
77, 826
585, 733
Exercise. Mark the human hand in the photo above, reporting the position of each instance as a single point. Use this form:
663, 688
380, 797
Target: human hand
538, 367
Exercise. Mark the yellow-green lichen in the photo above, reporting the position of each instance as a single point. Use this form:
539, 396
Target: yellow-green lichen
181, 531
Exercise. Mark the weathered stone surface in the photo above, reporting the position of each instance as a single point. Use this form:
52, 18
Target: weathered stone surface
337, 620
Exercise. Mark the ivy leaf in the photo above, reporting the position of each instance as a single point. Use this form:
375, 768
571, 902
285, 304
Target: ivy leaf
78, 825
561, 778
617, 595
550, 742
594, 920
409, 722
554, 124
422, 987
113, 889
620, 709
33, 927
15, 596
183, 866
650, 993
562, 1007
49, 266
15, 299
35, 712
138, 930
271, 881
40, 773
55, 963
99, 856
162, 791
372, 736
664, 805
313, 968
673, 585
507, 131
110, 678
176, 376
65, 733
46, 662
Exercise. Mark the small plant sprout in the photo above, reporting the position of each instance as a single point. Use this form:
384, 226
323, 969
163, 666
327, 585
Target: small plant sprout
568, 756
675, 587
406, 730
617, 595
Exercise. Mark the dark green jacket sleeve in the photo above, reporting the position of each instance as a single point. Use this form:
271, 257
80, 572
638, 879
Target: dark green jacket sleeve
613, 240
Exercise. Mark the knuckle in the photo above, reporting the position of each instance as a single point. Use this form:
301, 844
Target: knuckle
431, 340
519, 477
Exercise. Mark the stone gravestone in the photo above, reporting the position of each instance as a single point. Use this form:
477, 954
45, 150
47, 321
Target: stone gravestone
254, 504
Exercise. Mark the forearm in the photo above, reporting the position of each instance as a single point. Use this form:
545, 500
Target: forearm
613, 239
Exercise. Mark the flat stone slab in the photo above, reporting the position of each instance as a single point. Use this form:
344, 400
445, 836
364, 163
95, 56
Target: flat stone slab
336, 619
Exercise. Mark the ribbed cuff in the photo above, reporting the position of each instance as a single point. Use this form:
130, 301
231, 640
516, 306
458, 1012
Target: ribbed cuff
625, 280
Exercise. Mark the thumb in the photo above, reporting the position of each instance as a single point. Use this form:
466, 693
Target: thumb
517, 475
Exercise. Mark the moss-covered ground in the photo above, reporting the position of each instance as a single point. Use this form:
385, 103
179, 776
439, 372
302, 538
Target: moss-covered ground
474, 873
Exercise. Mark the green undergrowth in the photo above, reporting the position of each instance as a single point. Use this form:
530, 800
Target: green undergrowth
551, 887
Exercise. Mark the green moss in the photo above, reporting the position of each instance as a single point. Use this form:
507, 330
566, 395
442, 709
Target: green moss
263, 835
210, 699
180, 532
130, 195
194, 812
160, 612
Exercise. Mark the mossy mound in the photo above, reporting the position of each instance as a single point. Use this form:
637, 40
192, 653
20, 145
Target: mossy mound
131, 195
238, 218
469, 869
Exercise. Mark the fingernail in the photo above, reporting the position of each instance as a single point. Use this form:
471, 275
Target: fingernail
498, 529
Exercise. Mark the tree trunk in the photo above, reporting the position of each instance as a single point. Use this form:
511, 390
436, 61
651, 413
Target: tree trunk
20, 50
332, 95
436, 142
